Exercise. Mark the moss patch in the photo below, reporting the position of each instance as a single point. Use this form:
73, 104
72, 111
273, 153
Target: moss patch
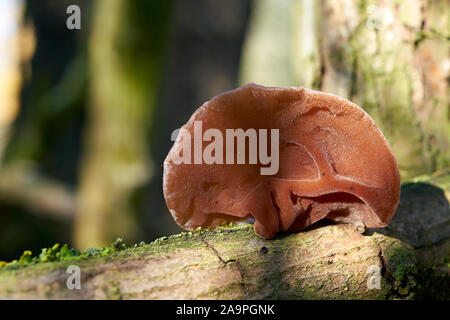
62, 253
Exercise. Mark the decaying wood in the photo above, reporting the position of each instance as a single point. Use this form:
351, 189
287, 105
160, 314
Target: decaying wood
325, 262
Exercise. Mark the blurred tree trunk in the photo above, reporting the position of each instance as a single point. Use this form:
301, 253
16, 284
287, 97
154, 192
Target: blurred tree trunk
390, 57
126, 50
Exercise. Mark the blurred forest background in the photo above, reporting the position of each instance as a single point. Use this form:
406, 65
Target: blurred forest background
86, 115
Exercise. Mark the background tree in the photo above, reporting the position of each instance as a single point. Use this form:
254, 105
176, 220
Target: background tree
126, 48
391, 57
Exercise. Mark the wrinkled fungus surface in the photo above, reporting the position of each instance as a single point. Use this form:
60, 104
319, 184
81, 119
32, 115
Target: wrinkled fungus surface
334, 163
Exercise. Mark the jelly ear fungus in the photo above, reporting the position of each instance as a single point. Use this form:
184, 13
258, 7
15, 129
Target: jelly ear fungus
334, 163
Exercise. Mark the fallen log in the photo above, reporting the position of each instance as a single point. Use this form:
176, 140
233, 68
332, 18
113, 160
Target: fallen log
407, 260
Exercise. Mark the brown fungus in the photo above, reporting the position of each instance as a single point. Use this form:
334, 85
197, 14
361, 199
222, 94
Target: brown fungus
334, 163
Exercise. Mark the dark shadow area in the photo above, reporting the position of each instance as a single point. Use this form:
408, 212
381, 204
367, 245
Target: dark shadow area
205, 44
22, 230
422, 217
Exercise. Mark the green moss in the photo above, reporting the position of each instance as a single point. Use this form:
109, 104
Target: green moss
402, 269
57, 253
160, 246
26, 257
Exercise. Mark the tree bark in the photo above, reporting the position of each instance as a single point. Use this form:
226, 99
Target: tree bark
410, 260
389, 57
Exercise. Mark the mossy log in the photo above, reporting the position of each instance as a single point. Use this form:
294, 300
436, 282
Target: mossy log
326, 261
